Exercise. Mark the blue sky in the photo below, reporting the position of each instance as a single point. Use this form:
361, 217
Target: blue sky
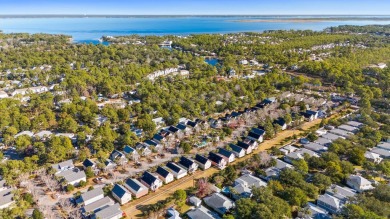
196, 7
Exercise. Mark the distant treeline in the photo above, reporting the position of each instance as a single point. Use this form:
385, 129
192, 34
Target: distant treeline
378, 29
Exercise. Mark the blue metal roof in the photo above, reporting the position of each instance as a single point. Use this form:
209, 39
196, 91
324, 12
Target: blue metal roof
128, 149
201, 159
235, 148
173, 167
88, 163
118, 190
148, 178
258, 131
243, 145
186, 162
215, 157
162, 172
224, 152
132, 184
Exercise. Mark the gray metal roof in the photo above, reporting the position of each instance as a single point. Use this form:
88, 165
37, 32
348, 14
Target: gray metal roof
92, 194
109, 212
99, 204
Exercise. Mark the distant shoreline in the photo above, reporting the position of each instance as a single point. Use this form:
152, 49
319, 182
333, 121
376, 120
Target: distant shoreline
311, 20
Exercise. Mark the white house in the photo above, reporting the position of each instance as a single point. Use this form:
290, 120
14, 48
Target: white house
227, 154
120, 194
176, 170
359, 183
374, 157
151, 181
164, 175
203, 162
92, 196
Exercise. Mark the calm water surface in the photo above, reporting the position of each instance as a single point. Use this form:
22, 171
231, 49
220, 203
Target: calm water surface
91, 29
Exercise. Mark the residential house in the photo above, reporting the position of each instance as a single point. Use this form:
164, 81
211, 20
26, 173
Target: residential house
96, 206
192, 124
92, 196
73, 176
254, 144
384, 145
158, 138
129, 151
329, 203
145, 150
151, 181
217, 160
183, 128
109, 164
342, 193
118, 156
355, 124
237, 151
164, 175
323, 141
154, 144
111, 212
173, 130
176, 170
195, 201
259, 132
382, 152
359, 183
219, 203
215, 123
89, 163
172, 214
203, 162
65, 165
312, 211
373, 157
281, 122
282, 165
121, 194
248, 149
202, 213
341, 132
188, 164
255, 137
250, 181
136, 188
299, 154
43, 135
288, 149
28, 133
314, 113
332, 137
227, 154
308, 117
315, 147
348, 128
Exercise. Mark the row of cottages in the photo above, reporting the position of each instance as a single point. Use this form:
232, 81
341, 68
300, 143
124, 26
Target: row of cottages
160, 73
30, 90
